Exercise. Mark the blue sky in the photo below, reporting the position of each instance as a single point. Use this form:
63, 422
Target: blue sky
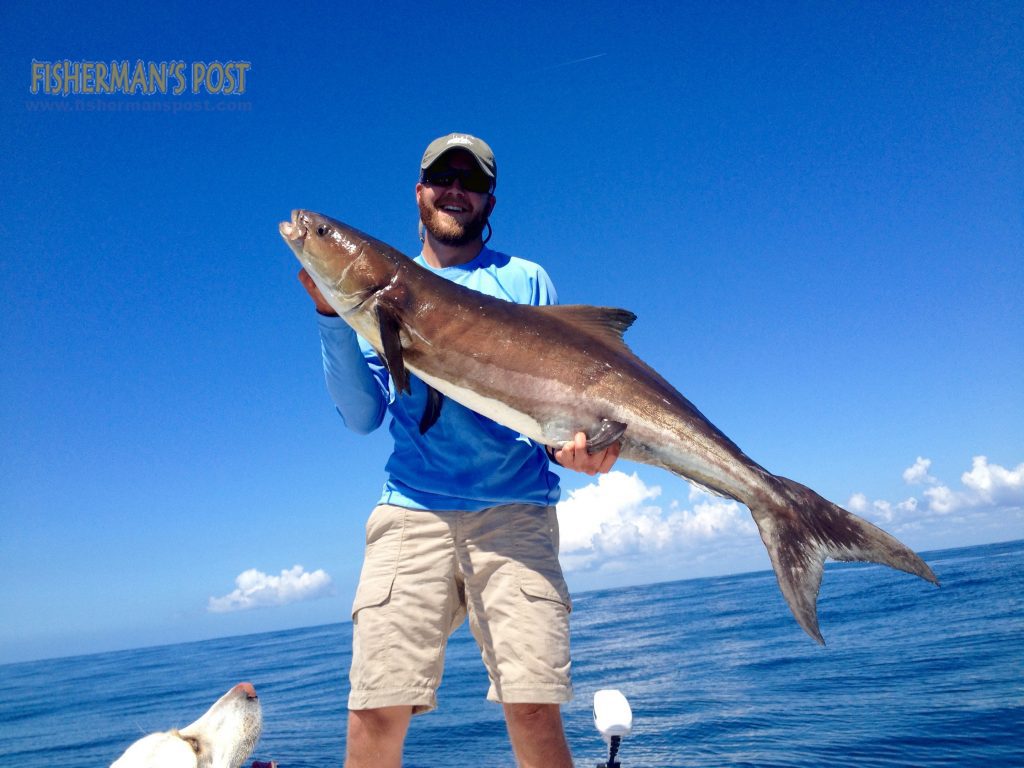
814, 208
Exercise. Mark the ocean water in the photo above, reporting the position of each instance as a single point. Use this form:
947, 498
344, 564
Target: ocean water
716, 670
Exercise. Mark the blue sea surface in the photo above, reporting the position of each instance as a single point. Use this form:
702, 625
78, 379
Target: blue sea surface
716, 670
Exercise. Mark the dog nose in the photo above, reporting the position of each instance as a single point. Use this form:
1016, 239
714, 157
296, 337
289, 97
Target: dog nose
247, 689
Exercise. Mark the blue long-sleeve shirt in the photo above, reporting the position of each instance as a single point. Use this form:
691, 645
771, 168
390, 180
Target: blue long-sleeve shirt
465, 461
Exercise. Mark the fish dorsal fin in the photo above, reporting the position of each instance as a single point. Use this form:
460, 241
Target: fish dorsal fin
604, 322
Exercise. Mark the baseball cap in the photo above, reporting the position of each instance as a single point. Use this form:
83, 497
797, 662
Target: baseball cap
478, 148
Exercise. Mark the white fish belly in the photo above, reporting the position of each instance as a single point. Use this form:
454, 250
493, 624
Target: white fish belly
497, 410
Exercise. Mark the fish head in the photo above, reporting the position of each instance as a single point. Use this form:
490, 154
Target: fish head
344, 263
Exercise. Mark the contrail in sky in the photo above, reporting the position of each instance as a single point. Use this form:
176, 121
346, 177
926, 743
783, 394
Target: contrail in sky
568, 63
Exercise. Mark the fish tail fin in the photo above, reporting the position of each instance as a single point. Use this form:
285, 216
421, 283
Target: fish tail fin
800, 529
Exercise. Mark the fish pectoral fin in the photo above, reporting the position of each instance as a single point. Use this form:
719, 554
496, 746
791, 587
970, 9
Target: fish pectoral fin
432, 410
606, 434
390, 340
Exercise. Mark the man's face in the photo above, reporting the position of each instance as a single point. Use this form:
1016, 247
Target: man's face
452, 214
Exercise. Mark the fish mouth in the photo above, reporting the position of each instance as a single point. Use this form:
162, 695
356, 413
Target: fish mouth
295, 231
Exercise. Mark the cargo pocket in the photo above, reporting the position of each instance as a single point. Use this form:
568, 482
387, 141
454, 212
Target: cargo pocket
372, 593
544, 586
384, 533
539, 573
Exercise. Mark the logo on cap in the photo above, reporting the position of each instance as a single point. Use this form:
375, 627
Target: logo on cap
460, 140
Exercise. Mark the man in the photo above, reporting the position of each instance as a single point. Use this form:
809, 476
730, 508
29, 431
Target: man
466, 524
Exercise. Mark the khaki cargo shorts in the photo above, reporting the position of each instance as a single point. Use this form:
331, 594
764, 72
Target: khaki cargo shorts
422, 574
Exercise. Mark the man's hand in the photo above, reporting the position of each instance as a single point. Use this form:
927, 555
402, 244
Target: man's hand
574, 456
318, 298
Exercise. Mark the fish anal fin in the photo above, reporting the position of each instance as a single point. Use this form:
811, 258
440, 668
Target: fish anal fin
391, 342
604, 322
432, 410
605, 435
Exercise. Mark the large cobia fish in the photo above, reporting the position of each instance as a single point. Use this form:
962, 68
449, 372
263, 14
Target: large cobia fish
548, 372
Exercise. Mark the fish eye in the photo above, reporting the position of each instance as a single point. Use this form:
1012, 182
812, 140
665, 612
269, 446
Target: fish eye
322, 230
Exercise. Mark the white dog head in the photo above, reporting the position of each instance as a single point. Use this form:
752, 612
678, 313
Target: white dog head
222, 738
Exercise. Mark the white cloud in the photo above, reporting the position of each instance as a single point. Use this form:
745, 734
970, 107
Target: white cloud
618, 523
616, 517
986, 488
918, 473
255, 589
887, 512
942, 500
858, 503
993, 484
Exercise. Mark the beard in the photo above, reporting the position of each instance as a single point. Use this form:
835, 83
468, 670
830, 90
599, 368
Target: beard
446, 229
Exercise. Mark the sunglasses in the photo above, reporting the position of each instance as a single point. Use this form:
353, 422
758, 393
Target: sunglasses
471, 181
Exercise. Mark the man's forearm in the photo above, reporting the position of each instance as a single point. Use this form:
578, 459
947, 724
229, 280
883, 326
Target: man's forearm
356, 392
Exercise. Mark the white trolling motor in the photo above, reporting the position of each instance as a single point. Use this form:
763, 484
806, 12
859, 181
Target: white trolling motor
614, 720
